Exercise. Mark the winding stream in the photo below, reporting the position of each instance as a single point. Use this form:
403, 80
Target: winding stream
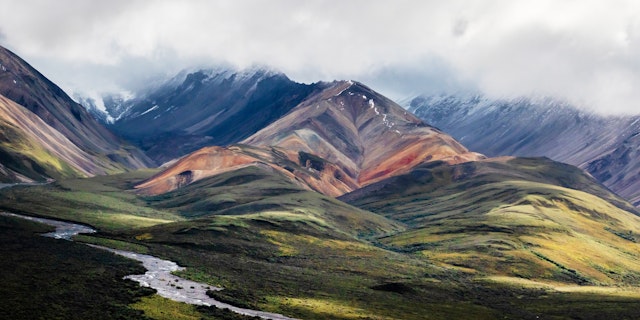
159, 272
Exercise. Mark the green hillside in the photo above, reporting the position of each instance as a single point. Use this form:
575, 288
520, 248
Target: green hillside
466, 243
524, 218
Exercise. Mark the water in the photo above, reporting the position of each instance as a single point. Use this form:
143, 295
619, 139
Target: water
159, 272
64, 230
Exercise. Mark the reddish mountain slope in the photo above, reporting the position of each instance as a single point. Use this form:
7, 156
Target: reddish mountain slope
362, 131
342, 138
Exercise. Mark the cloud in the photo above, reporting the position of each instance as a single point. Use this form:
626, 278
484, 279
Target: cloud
585, 52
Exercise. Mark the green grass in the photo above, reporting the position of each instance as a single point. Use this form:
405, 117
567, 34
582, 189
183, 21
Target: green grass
43, 278
278, 248
523, 218
102, 202
159, 308
257, 192
110, 243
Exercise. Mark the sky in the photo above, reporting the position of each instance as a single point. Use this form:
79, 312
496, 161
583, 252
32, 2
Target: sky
583, 52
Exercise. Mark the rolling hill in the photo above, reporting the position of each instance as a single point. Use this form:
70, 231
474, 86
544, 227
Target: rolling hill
528, 218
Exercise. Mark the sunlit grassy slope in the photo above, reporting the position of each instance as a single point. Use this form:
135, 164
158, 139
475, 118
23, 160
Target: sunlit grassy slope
257, 194
102, 202
513, 217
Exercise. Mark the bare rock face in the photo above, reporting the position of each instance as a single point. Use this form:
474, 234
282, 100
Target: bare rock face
619, 168
335, 141
203, 108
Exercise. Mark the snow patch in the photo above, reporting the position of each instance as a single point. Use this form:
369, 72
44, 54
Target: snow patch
364, 97
371, 103
149, 110
343, 90
15, 82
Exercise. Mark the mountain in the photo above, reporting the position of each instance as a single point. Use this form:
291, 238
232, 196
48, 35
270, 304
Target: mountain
31, 150
529, 218
602, 145
201, 108
40, 116
619, 167
335, 141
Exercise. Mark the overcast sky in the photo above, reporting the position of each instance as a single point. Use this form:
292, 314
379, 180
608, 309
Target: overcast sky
585, 52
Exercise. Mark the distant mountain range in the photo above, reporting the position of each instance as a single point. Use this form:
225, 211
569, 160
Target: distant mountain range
48, 135
605, 146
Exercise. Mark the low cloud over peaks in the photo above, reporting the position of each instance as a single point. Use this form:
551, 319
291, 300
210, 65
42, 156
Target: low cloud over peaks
585, 52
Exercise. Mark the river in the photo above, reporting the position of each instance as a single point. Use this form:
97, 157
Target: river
159, 272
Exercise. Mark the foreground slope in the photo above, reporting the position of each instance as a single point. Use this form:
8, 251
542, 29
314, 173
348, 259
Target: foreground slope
276, 247
602, 145
22, 84
335, 141
525, 218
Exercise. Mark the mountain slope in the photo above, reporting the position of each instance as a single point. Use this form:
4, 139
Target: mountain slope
33, 150
25, 86
523, 127
205, 107
362, 131
335, 141
526, 218
619, 167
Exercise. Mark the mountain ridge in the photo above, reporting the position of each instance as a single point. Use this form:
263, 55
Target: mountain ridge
542, 127
338, 139
203, 107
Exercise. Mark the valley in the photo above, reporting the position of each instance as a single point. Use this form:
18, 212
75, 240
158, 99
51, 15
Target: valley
159, 272
307, 265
